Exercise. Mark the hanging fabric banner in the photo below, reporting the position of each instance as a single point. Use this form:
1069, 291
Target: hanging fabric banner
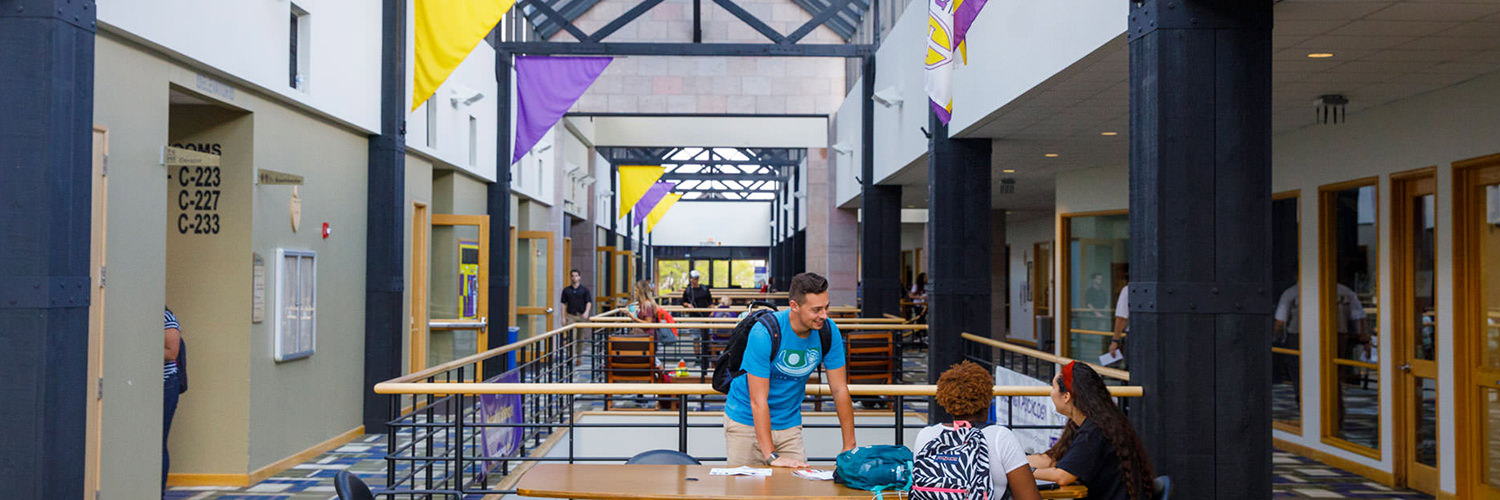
661, 210
649, 201
635, 180
948, 23
546, 87
446, 32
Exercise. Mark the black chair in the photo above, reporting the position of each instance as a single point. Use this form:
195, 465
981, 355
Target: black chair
663, 457
1163, 488
350, 487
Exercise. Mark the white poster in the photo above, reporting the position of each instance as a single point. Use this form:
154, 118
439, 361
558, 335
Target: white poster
1028, 411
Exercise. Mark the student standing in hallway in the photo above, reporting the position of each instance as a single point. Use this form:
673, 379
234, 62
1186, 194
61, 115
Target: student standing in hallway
763, 413
577, 303
171, 386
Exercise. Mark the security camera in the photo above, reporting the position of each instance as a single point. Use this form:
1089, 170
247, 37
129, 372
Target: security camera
888, 97
464, 97
842, 149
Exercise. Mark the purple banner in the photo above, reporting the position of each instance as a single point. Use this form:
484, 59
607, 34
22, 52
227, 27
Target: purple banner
546, 87
652, 197
963, 18
501, 409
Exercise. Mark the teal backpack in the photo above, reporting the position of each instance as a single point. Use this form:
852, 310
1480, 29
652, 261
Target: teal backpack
875, 468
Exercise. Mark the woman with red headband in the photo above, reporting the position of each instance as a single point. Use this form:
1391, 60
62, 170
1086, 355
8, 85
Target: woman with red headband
1098, 447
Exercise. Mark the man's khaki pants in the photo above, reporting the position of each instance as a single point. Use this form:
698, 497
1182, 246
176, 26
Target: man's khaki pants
741, 447
581, 336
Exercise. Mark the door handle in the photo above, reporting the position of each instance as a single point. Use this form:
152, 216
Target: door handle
1405, 367
549, 310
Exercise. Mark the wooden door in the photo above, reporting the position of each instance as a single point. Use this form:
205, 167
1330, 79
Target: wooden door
417, 329
1477, 330
99, 230
1413, 211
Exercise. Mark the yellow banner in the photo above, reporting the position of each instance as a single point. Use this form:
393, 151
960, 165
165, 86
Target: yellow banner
635, 180
446, 32
661, 210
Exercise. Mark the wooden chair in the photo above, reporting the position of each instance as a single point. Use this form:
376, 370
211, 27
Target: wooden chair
630, 358
870, 357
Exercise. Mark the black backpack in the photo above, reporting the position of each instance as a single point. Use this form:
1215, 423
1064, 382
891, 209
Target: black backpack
727, 367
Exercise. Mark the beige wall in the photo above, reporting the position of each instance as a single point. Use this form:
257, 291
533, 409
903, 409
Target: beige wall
300, 403
418, 190
132, 102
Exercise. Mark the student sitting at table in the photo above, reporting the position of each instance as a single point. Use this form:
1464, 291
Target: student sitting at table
1098, 447
965, 391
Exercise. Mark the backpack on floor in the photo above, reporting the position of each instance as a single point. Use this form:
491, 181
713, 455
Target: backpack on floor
954, 466
878, 468
727, 366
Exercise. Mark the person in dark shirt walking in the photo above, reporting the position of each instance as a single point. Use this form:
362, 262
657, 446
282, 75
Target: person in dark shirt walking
578, 302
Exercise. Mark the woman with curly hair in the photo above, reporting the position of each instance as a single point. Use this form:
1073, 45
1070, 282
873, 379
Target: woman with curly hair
1098, 447
965, 391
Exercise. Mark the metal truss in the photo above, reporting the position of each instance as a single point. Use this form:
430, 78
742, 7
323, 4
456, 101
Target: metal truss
716, 174
842, 16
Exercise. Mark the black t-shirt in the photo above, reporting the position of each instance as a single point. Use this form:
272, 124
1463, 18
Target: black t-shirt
1092, 459
697, 296
576, 298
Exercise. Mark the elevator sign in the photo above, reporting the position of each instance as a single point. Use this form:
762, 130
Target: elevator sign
196, 182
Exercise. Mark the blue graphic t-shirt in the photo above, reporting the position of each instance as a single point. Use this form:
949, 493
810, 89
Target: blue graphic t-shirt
796, 360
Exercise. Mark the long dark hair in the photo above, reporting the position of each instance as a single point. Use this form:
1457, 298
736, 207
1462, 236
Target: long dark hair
921, 283
1091, 397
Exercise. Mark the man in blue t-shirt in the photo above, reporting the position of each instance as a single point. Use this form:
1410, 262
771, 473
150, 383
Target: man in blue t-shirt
763, 414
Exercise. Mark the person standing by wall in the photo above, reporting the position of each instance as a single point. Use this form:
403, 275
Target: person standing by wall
578, 302
171, 385
763, 413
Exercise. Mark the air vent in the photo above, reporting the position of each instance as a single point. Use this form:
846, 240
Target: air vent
1007, 185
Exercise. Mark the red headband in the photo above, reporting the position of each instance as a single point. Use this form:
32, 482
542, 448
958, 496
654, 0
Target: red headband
1067, 375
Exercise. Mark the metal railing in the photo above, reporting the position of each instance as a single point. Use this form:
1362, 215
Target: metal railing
440, 439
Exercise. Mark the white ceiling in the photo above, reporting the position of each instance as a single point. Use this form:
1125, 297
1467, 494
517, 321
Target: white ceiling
1384, 51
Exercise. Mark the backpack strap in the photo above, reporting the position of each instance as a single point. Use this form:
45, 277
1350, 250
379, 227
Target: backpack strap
773, 327
826, 334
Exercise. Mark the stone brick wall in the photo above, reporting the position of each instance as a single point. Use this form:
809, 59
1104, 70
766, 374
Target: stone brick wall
711, 85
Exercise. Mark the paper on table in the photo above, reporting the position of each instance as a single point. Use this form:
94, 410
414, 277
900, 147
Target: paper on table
1107, 358
743, 470
814, 474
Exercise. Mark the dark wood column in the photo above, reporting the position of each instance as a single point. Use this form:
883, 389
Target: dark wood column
1200, 202
497, 205
880, 218
385, 248
46, 165
958, 292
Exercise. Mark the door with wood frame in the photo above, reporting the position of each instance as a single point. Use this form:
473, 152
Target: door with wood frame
1477, 328
458, 295
416, 343
98, 232
1415, 321
534, 283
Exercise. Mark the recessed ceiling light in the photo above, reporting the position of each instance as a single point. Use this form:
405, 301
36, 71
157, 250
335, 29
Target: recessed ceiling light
1109, 133
1009, 171
1320, 55
911, 206
1051, 155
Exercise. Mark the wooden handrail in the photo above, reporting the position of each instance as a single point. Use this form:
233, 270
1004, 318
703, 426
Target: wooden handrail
1090, 332
1105, 371
700, 389
728, 326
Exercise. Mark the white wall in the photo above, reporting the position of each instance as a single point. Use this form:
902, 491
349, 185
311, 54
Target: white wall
690, 223
1018, 44
898, 64
846, 133
475, 74
248, 41
1022, 235
1093, 189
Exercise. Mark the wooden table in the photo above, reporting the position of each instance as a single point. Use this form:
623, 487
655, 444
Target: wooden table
670, 482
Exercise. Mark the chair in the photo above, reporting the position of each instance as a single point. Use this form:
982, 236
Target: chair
663, 457
350, 487
870, 359
1163, 488
630, 358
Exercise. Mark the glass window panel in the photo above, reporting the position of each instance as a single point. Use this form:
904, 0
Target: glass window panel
1489, 245
526, 277
290, 294
1286, 369
1358, 406
671, 277
1424, 317
1426, 420
442, 273
307, 278
1353, 315
721, 274
1491, 437
1099, 260
744, 273
540, 280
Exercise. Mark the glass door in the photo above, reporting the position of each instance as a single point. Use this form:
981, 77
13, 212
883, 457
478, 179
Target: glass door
458, 291
1413, 208
533, 284
1477, 354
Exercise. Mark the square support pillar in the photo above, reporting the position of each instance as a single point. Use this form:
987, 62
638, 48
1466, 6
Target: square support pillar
1200, 202
958, 225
